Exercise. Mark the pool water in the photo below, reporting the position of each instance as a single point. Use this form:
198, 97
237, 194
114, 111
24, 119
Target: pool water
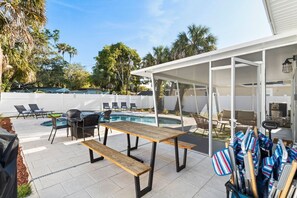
144, 119
131, 118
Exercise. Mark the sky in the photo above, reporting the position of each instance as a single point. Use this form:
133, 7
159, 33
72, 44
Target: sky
89, 25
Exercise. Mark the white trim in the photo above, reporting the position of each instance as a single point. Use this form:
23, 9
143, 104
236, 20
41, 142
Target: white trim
155, 100
269, 16
180, 106
210, 112
233, 121
263, 89
247, 62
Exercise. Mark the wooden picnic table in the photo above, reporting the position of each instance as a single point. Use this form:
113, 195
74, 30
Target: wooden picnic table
151, 133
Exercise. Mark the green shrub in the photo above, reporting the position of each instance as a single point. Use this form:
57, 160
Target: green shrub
24, 190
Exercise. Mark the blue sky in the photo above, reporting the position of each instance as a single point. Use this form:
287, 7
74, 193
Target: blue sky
89, 25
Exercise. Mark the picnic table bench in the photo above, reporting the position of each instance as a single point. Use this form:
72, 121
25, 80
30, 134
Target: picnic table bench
123, 161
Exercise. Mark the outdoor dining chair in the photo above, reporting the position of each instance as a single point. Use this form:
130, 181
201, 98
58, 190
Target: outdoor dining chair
202, 123
106, 117
88, 124
123, 105
23, 111
133, 106
73, 116
38, 111
58, 125
106, 106
114, 105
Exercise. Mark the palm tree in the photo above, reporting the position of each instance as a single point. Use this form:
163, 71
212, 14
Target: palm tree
62, 48
17, 19
160, 55
71, 51
196, 40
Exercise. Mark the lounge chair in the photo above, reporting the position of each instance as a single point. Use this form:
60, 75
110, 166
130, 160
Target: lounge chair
133, 106
114, 106
106, 106
23, 111
123, 105
38, 111
202, 123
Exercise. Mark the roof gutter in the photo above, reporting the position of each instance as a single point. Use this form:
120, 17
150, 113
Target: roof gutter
269, 16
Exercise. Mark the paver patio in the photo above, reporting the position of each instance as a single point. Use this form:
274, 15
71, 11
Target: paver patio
62, 169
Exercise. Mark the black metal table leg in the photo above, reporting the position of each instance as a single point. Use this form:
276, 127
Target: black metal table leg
129, 148
140, 193
179, 167
105, 136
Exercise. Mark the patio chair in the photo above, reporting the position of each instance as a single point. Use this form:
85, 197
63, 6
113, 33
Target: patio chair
114, 106
56, 126
133, 106
23, 111
73, 116
89, 122
202, 123
38, 111
123, 105
106, 106
106, 117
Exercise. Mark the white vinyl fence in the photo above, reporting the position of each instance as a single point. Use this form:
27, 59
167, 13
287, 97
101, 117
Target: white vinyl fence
64, 102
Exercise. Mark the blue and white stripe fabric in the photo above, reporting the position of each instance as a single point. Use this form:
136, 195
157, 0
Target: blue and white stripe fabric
222, 163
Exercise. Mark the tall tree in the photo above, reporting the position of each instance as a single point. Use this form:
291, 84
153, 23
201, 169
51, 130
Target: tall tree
77, 77
71, 51
160, 55
113, 66
196, 40
17, 20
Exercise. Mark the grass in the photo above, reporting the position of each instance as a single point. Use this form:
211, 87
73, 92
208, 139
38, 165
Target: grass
24, 190
223, 135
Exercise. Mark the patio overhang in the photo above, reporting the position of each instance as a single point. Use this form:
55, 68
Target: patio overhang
194, 69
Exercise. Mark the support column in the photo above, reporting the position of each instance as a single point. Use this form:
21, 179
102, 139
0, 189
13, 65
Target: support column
258, 94
155, 100
210, 112
180, 106
233, 121
263, 89
196, 100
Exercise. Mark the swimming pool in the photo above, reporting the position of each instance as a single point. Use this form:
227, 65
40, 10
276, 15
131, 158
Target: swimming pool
126, 117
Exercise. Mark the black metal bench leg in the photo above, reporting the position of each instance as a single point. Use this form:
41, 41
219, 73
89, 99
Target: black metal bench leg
179, 167
92, 160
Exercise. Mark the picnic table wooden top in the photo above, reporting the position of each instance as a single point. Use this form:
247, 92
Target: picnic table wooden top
148, 132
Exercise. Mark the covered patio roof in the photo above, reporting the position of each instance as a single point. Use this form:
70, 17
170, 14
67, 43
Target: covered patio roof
195, 69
